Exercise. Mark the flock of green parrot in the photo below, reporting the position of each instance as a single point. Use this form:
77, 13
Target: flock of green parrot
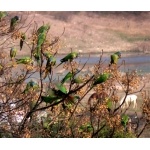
60, 91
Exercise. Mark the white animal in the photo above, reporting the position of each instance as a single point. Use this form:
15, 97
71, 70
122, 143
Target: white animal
129, 99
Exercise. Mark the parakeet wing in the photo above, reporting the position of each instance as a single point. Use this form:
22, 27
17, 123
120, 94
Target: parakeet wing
67, 77
41, 39
62, 88
66, 58
114, 59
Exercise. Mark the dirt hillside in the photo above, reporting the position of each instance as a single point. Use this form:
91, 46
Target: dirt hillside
90, 32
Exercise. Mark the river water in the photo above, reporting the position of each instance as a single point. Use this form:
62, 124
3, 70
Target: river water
138, 61
133, 61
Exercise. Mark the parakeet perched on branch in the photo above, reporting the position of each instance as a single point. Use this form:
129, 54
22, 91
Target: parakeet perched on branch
53, 96
43, 29
71, 76
124, 120
102, 78
14, 21
68, 76
24, 60
68, 57
51, 61
114, 58
31, 85
13, 52
47, 55
40, 41
22, 39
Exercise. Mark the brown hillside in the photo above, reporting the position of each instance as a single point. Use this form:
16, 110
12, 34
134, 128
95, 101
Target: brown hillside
93, 31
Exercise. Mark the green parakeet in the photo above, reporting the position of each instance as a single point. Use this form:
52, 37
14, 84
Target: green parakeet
47, 55
68, 76
13, 23
43, 28
40, 41
61, 88
24, 60
60, 91
114, 58
45, 124
31, 85
124, 120
22, 39
3, 14
86, 128
51, 97
13, 52
69, 57
50, 63
102, 78
109, 104
36, 56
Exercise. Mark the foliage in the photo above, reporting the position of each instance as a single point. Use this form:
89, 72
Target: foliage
52, 108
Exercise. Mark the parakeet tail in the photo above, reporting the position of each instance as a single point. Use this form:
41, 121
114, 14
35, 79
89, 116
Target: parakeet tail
59, 64
21, 44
